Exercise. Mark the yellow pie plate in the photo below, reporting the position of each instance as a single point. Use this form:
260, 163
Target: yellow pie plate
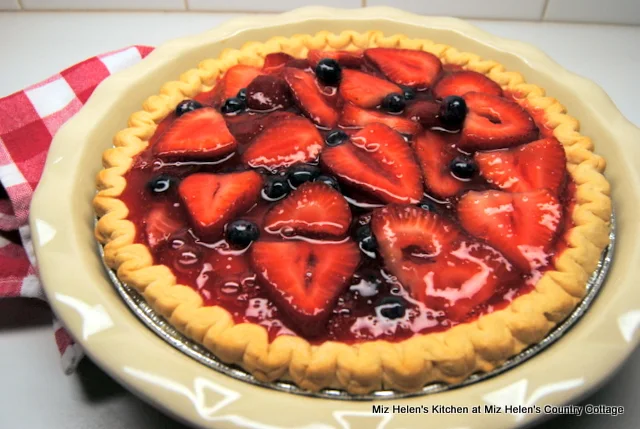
82, 295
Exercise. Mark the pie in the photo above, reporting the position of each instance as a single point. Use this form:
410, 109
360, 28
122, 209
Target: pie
355, 211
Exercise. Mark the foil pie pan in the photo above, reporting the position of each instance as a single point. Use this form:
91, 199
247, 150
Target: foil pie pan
168, 333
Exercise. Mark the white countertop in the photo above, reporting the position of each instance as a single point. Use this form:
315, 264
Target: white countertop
34, 392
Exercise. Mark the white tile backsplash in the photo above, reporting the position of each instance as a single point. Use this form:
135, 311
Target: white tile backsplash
104, 4
502, 9
609, 11
266, 5
598, 11
9, 5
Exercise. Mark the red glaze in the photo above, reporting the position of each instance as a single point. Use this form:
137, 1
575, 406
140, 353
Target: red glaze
225, 277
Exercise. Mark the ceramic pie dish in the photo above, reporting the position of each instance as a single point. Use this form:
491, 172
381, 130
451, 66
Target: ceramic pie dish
445, 31
495, 233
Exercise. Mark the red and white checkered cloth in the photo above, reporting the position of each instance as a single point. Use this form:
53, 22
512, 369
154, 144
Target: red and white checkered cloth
28, 121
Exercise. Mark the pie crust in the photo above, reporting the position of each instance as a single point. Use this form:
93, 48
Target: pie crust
408, 365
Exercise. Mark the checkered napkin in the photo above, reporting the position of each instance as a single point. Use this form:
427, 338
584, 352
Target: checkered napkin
28, 121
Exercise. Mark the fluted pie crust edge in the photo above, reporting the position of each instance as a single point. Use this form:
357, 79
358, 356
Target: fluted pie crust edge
408, 365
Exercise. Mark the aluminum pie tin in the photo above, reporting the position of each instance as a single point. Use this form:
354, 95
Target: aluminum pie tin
158, 324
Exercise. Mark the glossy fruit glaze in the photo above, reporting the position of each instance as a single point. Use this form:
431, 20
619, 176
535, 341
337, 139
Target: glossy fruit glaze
223, 275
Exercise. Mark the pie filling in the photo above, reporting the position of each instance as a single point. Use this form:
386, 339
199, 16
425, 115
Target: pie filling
353, 196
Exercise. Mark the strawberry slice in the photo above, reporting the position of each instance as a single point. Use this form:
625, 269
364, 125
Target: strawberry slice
354, 117
268, 93
212, 200
365, 90
310, 99
436, 262
494, 122
313, 209
379, 162
435, 153
305, 279
236, 78
350, 59
537, 165
200, 134
417, 69
160, 224
246, 127
522, 226
284, 143
426, 113
459, 83
276, 61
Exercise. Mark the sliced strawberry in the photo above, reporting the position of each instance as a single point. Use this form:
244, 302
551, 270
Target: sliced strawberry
451, 68
365, 90
268, 93
537, 165
309, 98
314, 209
425, 113
350, 59
246, 127
522, 226
200, 134
435, 152
299, 63
435, 262
160, 224
212, 200
276, 61
494, 122
408, 67
305, 279
379, 162
459, 83
284, 143
236, 78
354, 117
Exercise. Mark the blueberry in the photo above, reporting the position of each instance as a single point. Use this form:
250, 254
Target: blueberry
366, 239
275, 188
161, 184
233, 106
393, 103
242, 232
463, 167
392, 307
331, 181
329, 71
336, 138
453, 110
298, 174
408, 93
427, 204
242, 94
186, 106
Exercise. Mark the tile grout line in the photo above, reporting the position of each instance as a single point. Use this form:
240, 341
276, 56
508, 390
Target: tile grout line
96, 11
270, 12
544, 10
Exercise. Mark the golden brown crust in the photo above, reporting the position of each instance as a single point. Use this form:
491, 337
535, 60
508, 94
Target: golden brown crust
449, 356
